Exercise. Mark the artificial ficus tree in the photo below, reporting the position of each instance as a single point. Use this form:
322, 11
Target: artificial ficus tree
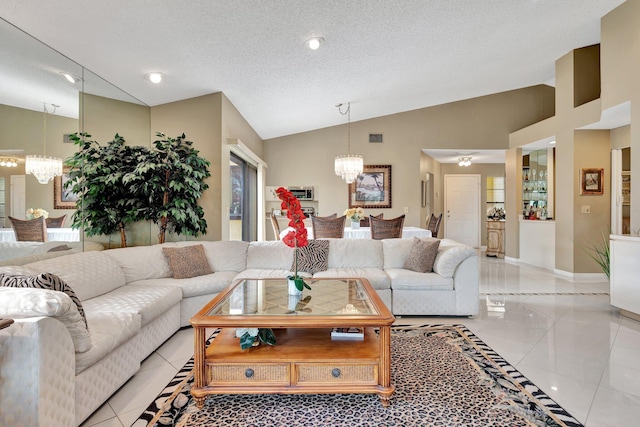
171, 180
105, 204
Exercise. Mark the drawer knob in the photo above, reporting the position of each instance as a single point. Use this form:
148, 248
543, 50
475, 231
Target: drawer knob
335, 372
248, 373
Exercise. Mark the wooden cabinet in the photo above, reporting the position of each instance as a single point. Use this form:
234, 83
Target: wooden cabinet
495, 238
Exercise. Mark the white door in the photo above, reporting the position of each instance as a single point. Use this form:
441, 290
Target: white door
18, 197
462, 209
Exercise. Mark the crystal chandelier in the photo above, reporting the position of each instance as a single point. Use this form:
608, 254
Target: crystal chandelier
44, 168
348, 166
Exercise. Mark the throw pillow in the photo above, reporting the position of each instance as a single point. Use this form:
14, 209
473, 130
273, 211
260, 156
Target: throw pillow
314, 257
187, 261
422, 255
42, 281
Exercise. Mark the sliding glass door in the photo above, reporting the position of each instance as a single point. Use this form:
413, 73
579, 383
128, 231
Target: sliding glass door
244, 196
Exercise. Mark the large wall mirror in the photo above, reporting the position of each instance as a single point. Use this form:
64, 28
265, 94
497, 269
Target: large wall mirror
38, 107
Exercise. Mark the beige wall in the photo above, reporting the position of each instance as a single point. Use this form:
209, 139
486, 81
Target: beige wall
233, 126
592, 151
620, 49
307, 158
102, 118
621, 137
200, 120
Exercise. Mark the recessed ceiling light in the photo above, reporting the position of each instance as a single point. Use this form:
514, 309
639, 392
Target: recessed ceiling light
154, 77
314, 43
552, 142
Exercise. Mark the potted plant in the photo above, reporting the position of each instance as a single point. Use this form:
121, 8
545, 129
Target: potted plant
171, 179
295, 238
105, 204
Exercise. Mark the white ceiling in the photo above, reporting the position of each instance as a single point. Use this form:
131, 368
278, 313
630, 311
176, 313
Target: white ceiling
384, 56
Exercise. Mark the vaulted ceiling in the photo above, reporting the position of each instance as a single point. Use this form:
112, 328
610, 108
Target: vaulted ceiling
384, 56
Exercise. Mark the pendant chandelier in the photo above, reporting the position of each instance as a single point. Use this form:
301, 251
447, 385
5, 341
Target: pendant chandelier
42, 167
348, 166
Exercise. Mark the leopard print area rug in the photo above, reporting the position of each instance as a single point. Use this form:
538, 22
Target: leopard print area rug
443, 376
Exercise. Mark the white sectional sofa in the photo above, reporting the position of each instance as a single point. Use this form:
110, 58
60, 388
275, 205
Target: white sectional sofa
133, 304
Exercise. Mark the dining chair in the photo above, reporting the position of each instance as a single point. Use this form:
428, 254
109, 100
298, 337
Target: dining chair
332, 216
433, 224
328, 227
386, 228
275, 225
30, 230
364, 222
57, 222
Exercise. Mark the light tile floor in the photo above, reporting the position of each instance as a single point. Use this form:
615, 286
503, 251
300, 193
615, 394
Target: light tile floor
560, 333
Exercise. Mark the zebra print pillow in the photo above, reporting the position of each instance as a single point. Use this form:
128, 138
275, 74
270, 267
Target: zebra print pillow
314, 257
42, 281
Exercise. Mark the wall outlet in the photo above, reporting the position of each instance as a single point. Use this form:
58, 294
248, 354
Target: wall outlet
406, 209
585, 209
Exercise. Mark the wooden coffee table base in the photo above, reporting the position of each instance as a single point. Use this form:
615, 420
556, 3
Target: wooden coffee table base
304, 361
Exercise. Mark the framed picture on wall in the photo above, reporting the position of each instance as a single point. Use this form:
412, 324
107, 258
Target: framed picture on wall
62, 198
372, 188
591, 182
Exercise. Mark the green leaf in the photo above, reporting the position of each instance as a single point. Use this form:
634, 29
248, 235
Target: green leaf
267, 336
246, 341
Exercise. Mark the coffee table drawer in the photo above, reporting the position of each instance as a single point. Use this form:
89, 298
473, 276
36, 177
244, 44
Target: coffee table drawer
262, 374
323, 373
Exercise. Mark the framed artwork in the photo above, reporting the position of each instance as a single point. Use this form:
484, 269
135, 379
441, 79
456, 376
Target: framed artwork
63, 199
591, 182
372, 188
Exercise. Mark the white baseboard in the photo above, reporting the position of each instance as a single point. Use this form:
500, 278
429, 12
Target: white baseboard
583, 277
512, 260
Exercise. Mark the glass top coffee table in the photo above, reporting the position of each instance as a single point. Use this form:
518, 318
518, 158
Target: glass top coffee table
306, 359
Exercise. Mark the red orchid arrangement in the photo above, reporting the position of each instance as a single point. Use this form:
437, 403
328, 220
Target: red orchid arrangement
298, 236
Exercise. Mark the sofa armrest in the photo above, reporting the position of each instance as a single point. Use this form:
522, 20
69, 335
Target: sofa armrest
466, 283
37, 374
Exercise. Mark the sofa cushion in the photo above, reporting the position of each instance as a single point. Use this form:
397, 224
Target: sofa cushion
195, 286
188, 261
42, 281
396, 252
376, 276
90, 273
313, 257
403, 279
17, 269
109, 330
150, 301
359, 253
422, 255
31, 302
449, 257
269, 255
142, 262
223, 255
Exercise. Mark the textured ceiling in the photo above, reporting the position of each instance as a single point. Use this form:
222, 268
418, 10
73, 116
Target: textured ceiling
384, 56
